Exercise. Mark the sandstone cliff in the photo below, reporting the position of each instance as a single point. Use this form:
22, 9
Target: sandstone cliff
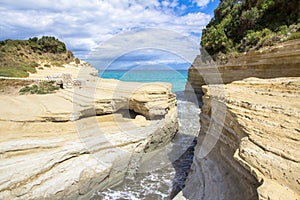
72, 143
279, 61
249, 140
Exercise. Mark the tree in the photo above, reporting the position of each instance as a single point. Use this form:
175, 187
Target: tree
240, 24
52, 45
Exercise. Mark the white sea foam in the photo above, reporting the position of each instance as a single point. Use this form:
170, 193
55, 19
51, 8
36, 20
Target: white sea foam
160, 183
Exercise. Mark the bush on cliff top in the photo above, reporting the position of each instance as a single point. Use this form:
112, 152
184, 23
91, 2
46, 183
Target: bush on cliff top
18, 57
242, 25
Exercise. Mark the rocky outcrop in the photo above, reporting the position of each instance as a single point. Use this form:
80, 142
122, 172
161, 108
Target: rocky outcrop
259, 139
249, 140
149, 100
77, 141
279, 61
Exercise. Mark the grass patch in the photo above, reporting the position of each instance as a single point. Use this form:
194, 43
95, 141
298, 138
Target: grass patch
30, 67
41, 88
13, 72
57, 63
18, 71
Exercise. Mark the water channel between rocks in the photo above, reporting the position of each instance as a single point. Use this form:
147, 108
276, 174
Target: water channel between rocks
170, 173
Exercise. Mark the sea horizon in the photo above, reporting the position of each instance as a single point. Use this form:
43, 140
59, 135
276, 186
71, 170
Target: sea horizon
177, 78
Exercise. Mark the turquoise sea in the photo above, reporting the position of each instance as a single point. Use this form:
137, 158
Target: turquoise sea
177, 78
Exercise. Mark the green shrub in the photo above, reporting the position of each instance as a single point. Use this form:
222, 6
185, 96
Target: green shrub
242, 25
51, 45
250, 17
57, 63
40, 91
25, 89
257, 39
41, 88
34, 39
283, 30
266, 4
77, 61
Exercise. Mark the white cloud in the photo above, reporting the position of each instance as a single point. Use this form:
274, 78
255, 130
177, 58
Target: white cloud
85, 24
149, 46
201, 3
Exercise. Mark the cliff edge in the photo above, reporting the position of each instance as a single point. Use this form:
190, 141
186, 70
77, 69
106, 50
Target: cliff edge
252, 122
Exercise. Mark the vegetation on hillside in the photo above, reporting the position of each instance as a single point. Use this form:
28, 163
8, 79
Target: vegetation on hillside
18, 57
41, 88
243, 25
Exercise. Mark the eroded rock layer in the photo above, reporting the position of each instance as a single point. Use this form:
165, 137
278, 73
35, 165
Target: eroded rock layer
279, 61
72, 143
256, 155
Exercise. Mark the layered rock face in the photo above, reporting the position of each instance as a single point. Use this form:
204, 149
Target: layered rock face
279, 61
249, 140
150, 100
72, 143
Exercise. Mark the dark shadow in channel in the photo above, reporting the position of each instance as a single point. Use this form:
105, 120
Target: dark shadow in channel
183, 164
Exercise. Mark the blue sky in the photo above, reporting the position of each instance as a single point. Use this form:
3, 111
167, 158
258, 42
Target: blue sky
86, 24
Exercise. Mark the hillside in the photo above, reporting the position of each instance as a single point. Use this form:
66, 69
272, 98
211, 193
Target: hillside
243, 25
18, 57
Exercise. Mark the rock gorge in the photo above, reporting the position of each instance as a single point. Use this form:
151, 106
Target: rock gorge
71, 143
248, 146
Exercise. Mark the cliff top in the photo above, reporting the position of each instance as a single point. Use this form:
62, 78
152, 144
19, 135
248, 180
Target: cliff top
243, 25
18, 58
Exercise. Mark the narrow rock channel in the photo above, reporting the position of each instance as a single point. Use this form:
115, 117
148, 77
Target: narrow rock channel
168, 179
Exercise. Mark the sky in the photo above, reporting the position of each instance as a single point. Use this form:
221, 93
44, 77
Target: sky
86, 25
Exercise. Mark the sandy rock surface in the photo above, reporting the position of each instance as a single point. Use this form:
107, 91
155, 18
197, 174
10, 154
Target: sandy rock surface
79, 140
256, 156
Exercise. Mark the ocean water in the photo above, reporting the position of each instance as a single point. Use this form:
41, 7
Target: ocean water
177, 78
166, 181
